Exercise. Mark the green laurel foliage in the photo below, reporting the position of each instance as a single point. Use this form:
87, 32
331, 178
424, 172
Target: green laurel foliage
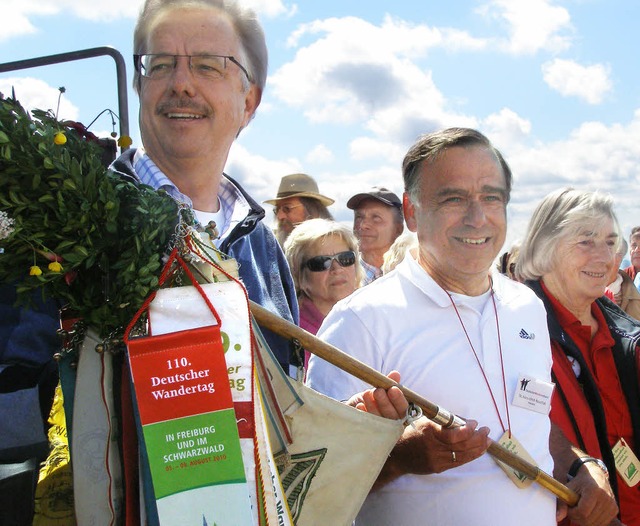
109, 235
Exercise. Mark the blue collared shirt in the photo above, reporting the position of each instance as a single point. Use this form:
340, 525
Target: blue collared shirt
151, 175
371, 273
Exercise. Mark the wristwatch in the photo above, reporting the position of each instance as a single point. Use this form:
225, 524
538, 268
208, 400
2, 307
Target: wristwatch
577, 464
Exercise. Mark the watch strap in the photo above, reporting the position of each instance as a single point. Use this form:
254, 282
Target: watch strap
579, 462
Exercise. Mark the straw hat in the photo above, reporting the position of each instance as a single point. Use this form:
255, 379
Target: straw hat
299, 185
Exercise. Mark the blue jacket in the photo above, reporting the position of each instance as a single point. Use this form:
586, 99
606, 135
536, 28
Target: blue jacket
28, 375
262, 265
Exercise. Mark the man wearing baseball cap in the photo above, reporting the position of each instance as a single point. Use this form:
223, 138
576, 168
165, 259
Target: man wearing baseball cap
297, 200
377, 222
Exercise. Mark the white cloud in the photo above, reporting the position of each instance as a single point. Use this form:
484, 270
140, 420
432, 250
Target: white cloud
271, 8
17, 15
320, 154
593, 157
259, 175
100, 10
35, 93
339, 77
369, 148
506, 128
589, 83
341, 185
393, 37
370, 81
533, 25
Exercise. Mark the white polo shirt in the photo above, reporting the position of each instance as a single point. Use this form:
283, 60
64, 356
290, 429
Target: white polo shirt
404, 321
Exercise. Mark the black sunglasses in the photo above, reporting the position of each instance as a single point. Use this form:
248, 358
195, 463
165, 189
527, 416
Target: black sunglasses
322, 263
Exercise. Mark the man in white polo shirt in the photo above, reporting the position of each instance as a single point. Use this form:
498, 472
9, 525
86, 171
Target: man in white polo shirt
464, 337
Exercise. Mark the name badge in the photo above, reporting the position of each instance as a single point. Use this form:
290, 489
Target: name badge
533, 394
509, 442
627, 463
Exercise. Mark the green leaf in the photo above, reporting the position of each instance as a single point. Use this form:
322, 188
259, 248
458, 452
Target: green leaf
80, 250
110, 232
46, 198
69, 184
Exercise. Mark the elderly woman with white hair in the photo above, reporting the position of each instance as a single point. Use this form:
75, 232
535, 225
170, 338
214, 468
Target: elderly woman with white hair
322, 255
567, 257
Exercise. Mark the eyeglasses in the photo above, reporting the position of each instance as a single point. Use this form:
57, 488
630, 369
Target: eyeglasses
284, 208
322, 263
209, 67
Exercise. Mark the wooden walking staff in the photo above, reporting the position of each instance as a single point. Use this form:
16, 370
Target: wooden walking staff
374, 378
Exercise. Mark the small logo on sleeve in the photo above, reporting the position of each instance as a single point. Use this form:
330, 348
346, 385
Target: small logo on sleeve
526, 336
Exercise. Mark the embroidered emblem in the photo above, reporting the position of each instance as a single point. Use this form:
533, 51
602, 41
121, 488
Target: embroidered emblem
526, 336
296, 477
575, 366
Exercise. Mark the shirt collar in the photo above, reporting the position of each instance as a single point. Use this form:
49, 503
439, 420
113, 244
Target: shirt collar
423, 280
149, 174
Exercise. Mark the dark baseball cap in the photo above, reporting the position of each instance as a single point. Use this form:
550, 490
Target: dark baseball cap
379, 193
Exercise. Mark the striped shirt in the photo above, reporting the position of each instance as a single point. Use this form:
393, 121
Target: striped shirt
151, 175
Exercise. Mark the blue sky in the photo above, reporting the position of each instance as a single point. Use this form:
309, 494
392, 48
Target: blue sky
554, 84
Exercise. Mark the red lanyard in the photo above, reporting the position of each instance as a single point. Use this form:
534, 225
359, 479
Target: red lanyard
504, 384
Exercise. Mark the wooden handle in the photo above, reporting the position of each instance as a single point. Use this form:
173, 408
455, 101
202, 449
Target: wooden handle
432, 411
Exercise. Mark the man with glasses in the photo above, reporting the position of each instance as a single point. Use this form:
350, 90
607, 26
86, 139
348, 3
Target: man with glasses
200, 69
298, 199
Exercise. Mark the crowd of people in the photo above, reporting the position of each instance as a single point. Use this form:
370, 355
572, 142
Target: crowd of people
538, 347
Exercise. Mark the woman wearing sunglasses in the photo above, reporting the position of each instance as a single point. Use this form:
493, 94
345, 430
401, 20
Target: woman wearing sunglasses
322, 255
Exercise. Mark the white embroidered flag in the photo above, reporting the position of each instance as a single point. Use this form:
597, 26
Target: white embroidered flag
317, 458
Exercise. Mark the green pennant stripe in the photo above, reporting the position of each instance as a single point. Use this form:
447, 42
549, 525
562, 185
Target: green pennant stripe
193, 452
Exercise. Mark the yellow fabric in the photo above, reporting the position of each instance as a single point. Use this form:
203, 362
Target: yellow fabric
54, 492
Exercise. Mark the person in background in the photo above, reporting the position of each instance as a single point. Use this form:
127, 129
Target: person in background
460, 334
28, 379
405, 243
567, 258
507, 263
634, 254
621, 289
200, 69
323, 257
377, 222
297, 200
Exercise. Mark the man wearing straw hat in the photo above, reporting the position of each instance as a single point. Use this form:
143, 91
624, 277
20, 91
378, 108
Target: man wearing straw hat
297, 200
464, 337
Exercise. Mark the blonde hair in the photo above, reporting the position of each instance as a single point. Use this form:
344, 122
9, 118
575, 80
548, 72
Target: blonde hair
306, 234
398, 250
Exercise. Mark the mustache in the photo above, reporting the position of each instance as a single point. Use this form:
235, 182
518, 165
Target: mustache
283, 222
182, 104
